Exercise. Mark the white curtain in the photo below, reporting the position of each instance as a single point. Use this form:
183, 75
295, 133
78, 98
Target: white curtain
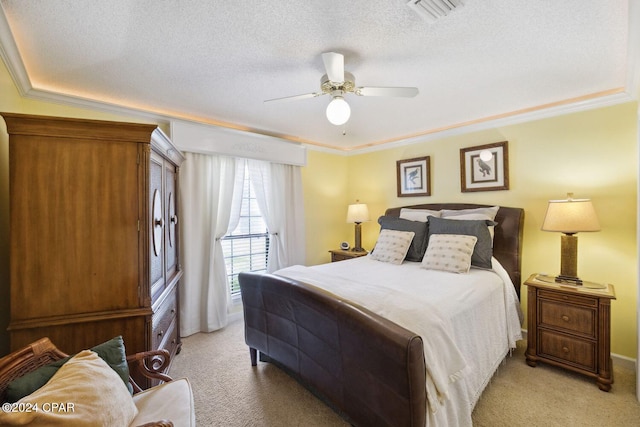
210, 201
278, 190
207, 194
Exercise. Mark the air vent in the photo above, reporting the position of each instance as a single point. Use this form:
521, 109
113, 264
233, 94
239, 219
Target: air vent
432, 10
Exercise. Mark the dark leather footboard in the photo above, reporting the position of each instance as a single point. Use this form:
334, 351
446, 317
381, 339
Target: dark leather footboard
364, 366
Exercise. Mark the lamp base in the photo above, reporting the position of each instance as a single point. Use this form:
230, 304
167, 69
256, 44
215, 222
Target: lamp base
568, 279
357, 247
569, 256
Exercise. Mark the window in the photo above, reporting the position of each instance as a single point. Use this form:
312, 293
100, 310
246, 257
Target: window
247, 247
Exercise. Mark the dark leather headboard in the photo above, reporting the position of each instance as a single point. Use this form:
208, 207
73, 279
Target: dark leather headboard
507, 241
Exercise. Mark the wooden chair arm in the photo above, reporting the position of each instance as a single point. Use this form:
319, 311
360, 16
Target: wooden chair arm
161, 423
149, 364
37, 354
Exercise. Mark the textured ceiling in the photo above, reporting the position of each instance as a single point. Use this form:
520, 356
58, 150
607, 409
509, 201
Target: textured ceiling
217, 61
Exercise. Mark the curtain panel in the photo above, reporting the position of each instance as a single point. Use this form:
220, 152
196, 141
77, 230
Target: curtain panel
206, 194
210, 201
278, 190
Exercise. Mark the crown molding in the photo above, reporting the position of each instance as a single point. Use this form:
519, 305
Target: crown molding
11, 56
574, 105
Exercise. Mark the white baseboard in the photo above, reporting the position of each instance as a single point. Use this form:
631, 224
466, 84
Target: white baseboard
618, 359
623, 361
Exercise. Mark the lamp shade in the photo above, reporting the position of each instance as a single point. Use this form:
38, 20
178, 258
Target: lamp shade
570, 216
357, 213
338, 111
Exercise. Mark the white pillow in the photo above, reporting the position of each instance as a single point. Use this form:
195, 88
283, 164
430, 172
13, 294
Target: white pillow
418, 214
449, 252
392, 246
84, 392
486, 213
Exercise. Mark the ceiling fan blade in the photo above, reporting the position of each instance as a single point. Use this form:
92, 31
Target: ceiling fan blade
334, 64
407, 92
295, 97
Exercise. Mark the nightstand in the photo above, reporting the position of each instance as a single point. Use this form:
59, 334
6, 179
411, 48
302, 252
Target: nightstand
570, 326
340, 255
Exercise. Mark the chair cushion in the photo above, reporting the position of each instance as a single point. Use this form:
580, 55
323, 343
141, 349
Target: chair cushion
171, 401
84, 392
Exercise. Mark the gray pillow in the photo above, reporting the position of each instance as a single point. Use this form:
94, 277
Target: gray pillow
483, 250
419, 242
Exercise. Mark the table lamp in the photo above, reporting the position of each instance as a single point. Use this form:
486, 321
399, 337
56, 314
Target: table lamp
357, 214
570, 216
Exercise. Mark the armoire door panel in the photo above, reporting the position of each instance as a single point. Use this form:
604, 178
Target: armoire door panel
157, 224
171, 242
77, 225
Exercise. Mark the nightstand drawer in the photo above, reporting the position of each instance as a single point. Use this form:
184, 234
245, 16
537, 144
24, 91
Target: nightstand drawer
339, 257
569, 350
571, 318
568, 299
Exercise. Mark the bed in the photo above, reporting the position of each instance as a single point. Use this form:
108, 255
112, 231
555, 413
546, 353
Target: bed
378, 359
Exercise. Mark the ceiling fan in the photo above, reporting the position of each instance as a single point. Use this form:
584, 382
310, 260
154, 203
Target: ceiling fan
337, 82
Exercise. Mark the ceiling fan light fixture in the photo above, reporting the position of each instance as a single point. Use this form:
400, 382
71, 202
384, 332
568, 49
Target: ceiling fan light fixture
338, 111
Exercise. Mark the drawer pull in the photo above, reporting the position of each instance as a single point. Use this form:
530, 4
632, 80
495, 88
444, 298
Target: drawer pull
565, 349
161, 333
565, 317
173, 311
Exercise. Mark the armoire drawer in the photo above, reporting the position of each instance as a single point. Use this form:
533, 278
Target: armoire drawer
169, 340
163, 317
574, 351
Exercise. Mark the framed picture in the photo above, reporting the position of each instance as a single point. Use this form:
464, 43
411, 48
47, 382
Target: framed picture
414, 177
484, 167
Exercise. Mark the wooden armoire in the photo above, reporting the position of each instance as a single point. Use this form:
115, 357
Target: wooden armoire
94, 244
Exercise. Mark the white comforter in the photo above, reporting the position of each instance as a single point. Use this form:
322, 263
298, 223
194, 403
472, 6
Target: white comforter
468, 322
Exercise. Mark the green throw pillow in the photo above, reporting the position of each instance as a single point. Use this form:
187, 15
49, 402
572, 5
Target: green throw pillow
112, 352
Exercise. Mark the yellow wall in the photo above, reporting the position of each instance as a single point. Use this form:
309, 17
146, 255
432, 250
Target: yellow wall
592, 154
325, 184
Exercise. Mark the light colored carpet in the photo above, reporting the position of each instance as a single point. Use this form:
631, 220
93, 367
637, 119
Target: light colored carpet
229, 392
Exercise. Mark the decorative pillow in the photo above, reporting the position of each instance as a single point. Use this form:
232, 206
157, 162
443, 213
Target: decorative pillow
475, 216
483, 250
476, 213
489, 213
112, 352
419, 242
449, 252
392, 246
418, 214
84, 392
